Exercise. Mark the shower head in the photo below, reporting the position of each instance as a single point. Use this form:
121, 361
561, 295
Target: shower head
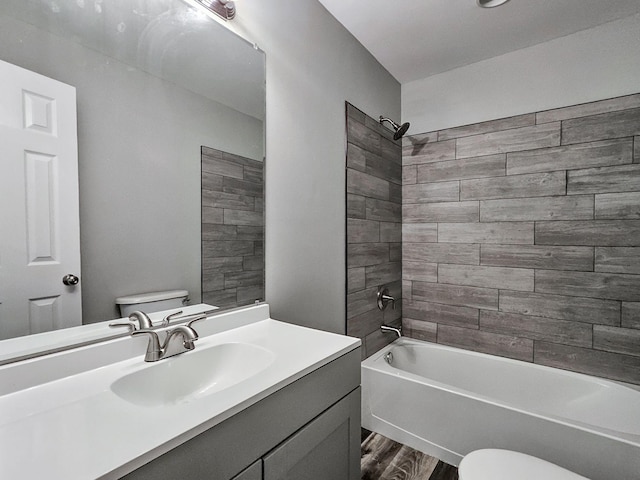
400, 130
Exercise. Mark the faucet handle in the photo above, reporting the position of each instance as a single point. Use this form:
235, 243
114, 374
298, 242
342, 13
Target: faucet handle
389, 298
167, 320
384, 298
197, 319
125, 323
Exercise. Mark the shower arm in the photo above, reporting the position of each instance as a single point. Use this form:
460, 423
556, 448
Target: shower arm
385, 119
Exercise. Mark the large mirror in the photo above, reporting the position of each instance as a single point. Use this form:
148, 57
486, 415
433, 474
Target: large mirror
159, 86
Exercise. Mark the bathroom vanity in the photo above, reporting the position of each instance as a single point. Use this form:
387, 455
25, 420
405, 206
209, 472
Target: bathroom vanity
256, 399
309, 429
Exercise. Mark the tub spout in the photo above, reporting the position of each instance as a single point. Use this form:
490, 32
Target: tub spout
390, 329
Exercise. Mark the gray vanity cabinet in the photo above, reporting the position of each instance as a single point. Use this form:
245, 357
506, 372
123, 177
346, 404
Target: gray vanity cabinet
254, 472
308, 430
321, 450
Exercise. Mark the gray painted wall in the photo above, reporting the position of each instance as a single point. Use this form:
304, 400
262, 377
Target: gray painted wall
139, 166
594, 64
521, 237
313, 66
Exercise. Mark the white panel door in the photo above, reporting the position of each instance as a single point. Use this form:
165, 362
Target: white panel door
39, 211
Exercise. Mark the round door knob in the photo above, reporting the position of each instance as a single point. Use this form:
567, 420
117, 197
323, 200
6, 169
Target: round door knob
70, 280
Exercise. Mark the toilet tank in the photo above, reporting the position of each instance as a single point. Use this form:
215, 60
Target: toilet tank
152, 301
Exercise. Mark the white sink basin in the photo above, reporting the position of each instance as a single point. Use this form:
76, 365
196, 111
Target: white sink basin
193, 374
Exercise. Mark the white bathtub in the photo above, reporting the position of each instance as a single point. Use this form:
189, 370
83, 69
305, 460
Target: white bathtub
448, 402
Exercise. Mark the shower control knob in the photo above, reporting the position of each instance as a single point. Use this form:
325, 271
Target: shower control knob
384, 298
70, 280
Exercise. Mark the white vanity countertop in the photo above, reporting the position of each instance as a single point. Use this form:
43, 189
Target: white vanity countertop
75, 427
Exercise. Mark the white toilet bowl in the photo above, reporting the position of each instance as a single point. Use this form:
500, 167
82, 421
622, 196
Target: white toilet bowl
496, 464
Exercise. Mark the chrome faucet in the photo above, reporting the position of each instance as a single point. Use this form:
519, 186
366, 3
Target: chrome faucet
390, 329
178, 340
137, 321
154, 350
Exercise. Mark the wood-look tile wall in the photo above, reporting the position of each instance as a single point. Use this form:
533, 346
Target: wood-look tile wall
521, 237
374, 228
232, 229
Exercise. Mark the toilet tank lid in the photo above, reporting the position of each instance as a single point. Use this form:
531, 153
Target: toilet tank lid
151, 297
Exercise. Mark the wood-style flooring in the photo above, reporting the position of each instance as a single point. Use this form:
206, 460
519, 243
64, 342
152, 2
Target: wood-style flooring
384, 459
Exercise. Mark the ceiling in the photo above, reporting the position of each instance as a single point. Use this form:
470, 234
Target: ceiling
415, 39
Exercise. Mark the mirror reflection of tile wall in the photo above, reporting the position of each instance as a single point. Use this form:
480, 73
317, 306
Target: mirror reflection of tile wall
374, 228
232, 229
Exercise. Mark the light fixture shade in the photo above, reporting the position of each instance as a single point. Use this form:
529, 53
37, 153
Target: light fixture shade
490, 3
223, 8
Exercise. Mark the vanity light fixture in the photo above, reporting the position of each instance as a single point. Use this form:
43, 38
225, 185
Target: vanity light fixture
223, 8
490, 3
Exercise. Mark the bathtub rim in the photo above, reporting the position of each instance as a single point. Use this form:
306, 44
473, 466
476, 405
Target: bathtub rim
376, 363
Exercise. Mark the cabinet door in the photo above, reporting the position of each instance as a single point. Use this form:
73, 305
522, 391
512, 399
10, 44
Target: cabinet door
254, 472
326, 448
